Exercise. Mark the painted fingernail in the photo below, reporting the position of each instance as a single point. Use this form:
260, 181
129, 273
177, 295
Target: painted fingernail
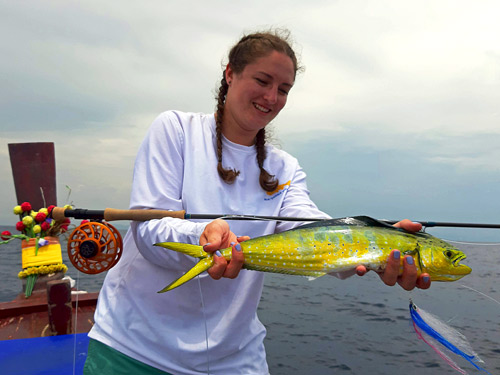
232, 243
218, 253
207, 244
426, 279
238, 247
409, 260
397, 254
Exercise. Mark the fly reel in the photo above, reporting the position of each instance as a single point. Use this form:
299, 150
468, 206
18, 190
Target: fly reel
94, 247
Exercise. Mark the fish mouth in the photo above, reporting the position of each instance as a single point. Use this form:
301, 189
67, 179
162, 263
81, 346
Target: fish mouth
454, 277
452, 269
460, 270
454, 274
456, 261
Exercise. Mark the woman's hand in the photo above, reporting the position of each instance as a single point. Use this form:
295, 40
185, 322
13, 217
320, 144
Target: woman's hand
408, 279
217, 235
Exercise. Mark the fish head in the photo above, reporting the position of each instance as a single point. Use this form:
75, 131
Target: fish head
442, 260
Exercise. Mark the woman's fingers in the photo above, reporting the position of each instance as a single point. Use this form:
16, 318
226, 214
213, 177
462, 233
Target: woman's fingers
424, 281
408, 280
409, 225
361, 270
222, 267
219, 267
236, 262
391, 272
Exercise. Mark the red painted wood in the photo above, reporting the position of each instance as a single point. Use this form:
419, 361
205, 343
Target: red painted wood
34, 167
59, 306
28, 317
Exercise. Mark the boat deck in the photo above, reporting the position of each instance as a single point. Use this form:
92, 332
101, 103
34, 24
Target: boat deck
28, 317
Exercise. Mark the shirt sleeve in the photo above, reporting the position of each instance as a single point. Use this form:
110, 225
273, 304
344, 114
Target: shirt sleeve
297, 203
157, 184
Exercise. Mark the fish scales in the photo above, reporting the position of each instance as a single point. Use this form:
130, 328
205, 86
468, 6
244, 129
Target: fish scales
334, 246
328, 250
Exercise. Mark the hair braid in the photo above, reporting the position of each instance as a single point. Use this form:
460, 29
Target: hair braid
266, 180
246, 51
228, 175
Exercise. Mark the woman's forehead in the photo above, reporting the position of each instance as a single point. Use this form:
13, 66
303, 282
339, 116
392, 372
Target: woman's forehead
273, 65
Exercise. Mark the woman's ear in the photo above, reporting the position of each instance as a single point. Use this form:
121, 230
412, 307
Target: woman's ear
229, 74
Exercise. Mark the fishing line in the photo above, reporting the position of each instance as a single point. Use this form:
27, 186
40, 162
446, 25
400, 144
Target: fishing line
205, 320
76, 318
474, 243
483, 294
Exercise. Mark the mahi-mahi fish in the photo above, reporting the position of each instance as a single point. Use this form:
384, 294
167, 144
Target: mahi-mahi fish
332, 246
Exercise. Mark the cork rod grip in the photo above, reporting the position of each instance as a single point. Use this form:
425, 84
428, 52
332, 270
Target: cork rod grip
113, 214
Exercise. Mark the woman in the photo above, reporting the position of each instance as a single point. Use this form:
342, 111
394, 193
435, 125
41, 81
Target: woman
208, 163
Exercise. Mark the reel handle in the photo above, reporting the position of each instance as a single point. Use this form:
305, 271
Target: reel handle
113, 214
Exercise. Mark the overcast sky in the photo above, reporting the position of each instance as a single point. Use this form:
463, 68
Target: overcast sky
396, 114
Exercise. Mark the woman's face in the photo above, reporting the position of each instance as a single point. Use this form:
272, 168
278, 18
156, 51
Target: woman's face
256, 96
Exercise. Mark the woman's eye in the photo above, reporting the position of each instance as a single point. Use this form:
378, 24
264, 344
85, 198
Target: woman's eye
284, 92
261, 81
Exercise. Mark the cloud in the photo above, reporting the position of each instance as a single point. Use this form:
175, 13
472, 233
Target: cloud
422, 66
409, 180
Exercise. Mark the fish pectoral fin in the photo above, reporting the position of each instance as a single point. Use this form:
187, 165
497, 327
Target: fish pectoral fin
200, 267
314, 277
410, 252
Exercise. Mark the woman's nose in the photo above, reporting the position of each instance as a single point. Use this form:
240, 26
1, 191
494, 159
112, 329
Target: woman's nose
271, 95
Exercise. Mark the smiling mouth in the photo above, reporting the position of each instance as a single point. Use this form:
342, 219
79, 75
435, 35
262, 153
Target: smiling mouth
261, 108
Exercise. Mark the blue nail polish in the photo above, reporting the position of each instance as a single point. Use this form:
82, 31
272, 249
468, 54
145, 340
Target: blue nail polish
397, 254
238, 247
207, 244
426, 279
409, 260
232, 243
218, 253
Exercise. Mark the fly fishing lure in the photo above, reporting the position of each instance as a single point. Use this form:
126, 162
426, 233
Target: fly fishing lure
432, 330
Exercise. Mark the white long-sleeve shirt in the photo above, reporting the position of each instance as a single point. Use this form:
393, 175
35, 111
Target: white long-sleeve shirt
175, 169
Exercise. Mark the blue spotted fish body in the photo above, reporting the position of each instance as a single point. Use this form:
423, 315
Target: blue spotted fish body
335, 246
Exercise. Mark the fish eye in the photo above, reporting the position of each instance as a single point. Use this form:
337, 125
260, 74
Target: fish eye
448, 253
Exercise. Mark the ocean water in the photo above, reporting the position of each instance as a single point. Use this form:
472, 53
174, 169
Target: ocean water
353, 326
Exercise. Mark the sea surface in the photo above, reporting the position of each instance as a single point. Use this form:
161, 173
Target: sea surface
353, 326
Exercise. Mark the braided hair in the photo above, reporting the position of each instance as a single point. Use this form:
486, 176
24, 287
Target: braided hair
250, 48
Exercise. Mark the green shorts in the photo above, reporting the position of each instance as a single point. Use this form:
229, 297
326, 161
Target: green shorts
104, 360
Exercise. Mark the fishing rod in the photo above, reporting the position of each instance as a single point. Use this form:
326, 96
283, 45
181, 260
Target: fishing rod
113, 214
96, 246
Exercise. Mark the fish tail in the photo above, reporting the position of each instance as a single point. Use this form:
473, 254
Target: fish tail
200, 267
195, 251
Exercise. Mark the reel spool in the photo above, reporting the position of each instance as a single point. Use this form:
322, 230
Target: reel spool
94, 247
